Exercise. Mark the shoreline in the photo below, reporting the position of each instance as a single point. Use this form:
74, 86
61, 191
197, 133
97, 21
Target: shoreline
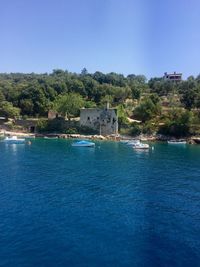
144, 138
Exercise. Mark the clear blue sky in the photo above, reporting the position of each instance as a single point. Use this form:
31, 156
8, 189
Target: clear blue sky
126, 36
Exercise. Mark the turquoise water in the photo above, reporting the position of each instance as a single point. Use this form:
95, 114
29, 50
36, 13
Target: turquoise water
103, 206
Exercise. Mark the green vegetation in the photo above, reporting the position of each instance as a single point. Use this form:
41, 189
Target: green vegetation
7, 110
68, 104
148, 108
158, 106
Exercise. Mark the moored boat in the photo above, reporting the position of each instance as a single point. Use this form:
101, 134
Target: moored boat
124, 141
14, 140
141, 146
83, 143
133, 142
48, 137
177, 142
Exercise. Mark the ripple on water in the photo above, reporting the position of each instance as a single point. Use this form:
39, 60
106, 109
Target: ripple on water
110, 205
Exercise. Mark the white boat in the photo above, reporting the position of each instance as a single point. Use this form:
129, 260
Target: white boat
83, 143
141, 146
48, 137
133, 142
177, 142
124, 141
14, 140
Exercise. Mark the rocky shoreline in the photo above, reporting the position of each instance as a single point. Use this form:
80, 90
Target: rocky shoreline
147, 138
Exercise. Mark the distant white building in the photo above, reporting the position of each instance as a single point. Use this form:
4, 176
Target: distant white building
175, 77
105, 121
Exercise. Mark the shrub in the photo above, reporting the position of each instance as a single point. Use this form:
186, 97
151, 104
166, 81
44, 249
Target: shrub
87, 130
135, 129
71, 131
42, 125
148, 128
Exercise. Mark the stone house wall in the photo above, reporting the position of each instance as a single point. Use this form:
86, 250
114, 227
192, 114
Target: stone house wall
105, 121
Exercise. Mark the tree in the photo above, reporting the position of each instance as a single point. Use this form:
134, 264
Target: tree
90, 86
178, 123
27, 106
68, 105
84, 72
90, 104
121, 93
136, 92
35, 95
2, 97
115, 79
122, 116
77, 86
99, 77
147, 110
188, 98
8, 110
106, 99
154, 98
137, 78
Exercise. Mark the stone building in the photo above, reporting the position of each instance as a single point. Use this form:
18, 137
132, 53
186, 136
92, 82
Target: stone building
29, 125
53, 115
105, 121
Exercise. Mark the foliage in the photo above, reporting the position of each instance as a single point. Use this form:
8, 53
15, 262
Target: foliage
86, 130
178, 124
122, 117
90, 104
106, 99
149, 128
190, 98
135, 129
71, 131
42, 125
148, 108
8, 110
69, 104
55, 125
35, 94
2, 97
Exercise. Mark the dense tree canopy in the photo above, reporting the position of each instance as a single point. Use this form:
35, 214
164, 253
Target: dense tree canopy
35, 94
7, 110
68, 104
148, 108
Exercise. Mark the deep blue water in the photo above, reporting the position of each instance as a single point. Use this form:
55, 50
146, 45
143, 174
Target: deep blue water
103, 206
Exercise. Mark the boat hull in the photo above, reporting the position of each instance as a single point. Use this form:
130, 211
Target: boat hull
22, 141
141, 146
83, 144
177, 142
14, 140
76, 145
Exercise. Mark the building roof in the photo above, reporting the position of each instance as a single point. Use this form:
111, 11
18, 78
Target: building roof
172, 74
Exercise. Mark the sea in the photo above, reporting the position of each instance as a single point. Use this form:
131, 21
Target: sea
109, 206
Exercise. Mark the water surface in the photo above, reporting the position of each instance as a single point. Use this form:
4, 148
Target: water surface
102, 206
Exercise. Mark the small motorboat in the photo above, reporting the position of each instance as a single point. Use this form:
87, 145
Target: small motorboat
48, 137
124, 141
177, 142
84, 143
133, 142
14, 140
141, 146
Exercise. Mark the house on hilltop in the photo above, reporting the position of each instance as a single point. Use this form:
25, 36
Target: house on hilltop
174, 77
